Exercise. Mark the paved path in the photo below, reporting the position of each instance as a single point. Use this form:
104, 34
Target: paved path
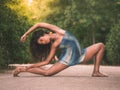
74, 78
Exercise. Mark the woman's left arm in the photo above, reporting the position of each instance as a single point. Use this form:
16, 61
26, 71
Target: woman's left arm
47, 61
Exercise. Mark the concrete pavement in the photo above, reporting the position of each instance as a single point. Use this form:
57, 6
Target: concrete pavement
73, 78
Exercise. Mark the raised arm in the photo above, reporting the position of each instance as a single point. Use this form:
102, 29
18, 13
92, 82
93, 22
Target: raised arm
42, 25
51, 27
47, 26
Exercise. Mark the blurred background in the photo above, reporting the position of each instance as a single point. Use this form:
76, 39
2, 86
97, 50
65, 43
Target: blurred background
91, 21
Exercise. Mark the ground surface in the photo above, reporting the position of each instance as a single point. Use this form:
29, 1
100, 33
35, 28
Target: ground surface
74, 78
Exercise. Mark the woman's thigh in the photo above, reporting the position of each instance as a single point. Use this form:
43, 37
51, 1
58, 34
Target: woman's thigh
91, 51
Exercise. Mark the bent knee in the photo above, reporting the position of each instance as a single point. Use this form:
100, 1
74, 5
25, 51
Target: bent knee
101, 45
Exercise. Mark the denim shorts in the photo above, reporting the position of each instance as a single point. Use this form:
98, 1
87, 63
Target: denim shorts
72, 53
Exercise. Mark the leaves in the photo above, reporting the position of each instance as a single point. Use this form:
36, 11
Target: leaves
113, 43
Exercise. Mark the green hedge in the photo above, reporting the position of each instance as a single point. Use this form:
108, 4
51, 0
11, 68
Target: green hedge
12, 26
113, 45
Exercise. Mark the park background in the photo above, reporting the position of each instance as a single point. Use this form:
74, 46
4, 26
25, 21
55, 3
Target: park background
91, 21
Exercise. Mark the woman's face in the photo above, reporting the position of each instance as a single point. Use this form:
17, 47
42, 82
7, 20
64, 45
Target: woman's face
44, 39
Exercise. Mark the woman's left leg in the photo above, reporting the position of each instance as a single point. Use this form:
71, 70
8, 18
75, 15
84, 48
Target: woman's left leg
96, 50
51, 71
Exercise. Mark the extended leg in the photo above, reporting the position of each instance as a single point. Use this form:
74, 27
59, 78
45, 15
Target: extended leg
51, 71
96, 50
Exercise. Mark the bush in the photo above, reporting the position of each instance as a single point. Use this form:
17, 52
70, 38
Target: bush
12, 26
113, 45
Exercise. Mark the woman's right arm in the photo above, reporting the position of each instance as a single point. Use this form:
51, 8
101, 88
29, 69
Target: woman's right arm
47, 61
23, 38
42, 25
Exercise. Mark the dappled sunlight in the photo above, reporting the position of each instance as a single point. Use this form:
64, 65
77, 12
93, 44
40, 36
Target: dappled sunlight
118, 2
32, 9
20, 8
30, 2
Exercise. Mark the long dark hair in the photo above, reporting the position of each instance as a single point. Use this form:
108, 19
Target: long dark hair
39, 52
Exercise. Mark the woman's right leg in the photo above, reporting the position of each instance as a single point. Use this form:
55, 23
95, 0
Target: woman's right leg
51, 71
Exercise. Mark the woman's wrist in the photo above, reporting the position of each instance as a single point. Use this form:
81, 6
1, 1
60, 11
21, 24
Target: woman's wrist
26, 34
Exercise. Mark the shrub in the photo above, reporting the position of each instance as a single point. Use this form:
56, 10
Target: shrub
113, 45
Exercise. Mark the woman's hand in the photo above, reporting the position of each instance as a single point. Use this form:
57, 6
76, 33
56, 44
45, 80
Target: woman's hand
23, 38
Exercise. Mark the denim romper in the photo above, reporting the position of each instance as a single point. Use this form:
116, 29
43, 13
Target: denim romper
72, 53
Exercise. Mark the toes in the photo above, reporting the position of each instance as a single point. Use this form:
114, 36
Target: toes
98, 75
16, 72
15, 75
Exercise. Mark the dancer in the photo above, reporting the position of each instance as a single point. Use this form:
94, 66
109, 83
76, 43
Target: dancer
43, 47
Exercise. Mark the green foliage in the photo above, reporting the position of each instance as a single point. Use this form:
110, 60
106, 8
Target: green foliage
12, 26
113, 45
89, 20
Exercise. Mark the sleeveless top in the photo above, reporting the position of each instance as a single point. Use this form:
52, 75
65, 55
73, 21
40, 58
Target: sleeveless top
72, 53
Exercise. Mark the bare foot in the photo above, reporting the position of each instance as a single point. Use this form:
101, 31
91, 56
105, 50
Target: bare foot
98, 74
18, 70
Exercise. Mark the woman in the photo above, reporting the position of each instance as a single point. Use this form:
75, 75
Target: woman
43, 46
